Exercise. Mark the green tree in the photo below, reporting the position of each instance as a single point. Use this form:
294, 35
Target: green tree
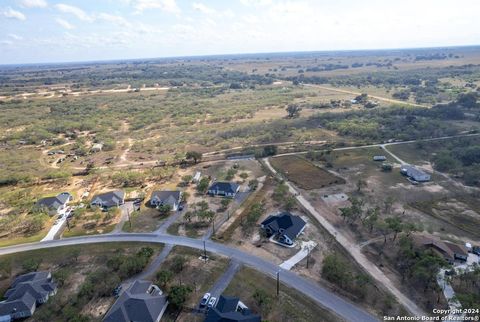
164, 277
253, 184
280, 192
371, 219
225, 202
290, 203
186, 179
336, 270
188, 216
202, 186
164, 209
177, 295
395, 225
293, 110
269, 150
196, 156
178, 263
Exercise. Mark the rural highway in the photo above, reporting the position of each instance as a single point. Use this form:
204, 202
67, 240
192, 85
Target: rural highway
343, 308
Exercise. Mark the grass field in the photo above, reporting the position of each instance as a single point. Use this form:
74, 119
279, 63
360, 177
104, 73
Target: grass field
305, 174
462, 213
146, 220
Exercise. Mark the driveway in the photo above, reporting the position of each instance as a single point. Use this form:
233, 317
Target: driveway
222, 283
126, 209
322, 296
171, 219
55, 229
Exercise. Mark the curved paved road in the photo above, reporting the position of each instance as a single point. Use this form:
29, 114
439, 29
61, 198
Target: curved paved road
324, 297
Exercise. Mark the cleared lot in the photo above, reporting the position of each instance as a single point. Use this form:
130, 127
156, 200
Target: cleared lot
304, 173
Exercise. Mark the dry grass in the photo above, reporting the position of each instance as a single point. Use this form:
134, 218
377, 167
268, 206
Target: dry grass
304, 173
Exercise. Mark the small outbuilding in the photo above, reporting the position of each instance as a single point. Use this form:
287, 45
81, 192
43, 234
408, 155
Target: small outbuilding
379, 158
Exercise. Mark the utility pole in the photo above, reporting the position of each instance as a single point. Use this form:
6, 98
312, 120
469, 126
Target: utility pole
308, 255
278, 283
204, 251
128, 217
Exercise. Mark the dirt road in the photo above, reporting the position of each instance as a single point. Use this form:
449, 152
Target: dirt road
385, 99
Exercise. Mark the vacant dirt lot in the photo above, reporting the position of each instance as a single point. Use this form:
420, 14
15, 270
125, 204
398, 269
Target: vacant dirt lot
305, 174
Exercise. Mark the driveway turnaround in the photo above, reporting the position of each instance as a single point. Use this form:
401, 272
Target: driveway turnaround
342, 307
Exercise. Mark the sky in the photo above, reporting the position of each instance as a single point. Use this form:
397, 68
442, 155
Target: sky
41, 31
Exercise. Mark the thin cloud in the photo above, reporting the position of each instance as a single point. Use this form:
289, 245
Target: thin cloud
65, 24
13, 14
33, 3
164, 5
15, 37
118, 20
77, 12
203, 8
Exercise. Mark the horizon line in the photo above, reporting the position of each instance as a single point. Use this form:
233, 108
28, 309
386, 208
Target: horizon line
204, 56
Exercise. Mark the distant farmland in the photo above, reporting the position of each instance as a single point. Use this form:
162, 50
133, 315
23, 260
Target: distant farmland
305, 174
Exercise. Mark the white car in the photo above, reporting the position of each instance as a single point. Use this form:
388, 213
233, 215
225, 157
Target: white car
204, 300
212, 302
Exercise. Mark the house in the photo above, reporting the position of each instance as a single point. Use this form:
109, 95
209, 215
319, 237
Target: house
109, 199
226, 189
449, 251
414, 173
231, 309
141, 302
55, 205
171, 198
285, 227
379, 158
196, 177
26, 292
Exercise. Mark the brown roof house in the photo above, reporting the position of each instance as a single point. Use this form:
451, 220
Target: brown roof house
447, 250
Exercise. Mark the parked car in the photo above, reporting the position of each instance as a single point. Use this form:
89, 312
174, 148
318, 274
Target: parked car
181, 206
117, 290
476, 250
204, 300
212, 302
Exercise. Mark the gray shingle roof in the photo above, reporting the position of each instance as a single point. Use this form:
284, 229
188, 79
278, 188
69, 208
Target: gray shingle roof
54, 202
225, 311
166, 197
109, 199
27, 290
140, 302
227, 187
286, 224
414, 173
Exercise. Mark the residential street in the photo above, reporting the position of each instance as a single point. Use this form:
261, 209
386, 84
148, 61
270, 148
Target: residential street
324, 297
